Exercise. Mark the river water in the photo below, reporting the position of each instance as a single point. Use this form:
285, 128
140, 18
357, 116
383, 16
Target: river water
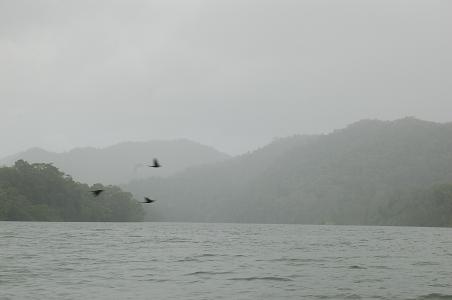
222, 261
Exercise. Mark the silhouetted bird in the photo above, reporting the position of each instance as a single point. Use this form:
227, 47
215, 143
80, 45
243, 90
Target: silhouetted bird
148, 200
97, 192
156, 164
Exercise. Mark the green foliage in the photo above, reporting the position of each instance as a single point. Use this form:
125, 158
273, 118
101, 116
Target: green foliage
424, 207
40, 192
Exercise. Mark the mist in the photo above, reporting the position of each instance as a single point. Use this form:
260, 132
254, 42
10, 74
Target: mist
229, 74
226, 149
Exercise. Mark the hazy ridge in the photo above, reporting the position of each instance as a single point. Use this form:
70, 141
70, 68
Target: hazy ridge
371, 172
123, 162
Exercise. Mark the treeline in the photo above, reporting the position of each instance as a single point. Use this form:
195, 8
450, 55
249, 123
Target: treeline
40, 192
426, 207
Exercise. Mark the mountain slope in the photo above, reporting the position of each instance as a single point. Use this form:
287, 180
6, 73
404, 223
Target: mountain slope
40, 192
125, 161
347, 177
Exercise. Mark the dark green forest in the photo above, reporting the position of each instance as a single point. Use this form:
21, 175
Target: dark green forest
40, 192
425, 207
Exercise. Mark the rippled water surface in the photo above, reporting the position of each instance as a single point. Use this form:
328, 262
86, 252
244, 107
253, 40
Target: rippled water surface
222, 261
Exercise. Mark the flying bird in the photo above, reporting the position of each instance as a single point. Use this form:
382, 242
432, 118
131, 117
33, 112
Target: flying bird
148, 200
97, 192
156, 164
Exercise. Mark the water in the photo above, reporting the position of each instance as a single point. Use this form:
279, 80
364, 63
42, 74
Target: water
222, 261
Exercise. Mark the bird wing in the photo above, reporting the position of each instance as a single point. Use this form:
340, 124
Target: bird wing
97, 192
148, 200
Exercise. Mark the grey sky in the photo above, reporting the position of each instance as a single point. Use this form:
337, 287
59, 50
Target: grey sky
231, 74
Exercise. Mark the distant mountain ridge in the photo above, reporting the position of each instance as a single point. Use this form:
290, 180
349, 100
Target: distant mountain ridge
120, 163
350, 176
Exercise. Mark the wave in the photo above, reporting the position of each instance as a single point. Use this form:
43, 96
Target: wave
295, 260
208, 273
177, 240
434, 296
207, 255
274, 278
188, 259
426, 263
357, 267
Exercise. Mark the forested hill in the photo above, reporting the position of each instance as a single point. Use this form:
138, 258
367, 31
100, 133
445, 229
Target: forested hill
371, 172
123, 162
40, 192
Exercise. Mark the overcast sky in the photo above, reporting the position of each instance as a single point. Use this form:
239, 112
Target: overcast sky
230, 74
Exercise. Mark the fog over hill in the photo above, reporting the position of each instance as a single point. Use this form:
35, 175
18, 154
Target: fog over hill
123, 162
370, 172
